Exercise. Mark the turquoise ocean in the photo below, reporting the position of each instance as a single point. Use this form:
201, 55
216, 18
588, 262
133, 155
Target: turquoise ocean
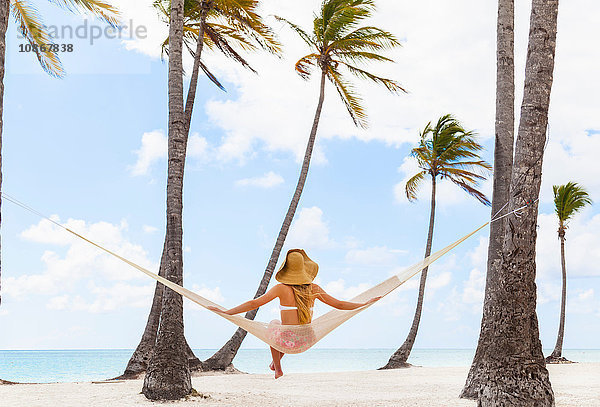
48, 366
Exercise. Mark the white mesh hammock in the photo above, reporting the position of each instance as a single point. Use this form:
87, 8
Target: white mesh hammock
290, 338
297, 338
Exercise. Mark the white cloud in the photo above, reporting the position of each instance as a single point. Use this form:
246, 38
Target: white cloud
570, 157
149, 229
58, 303
309, 230
464, 87
81, 276
141, 14
269, 180
433, 86
197, 147
213, 294
339, 289
154, 148
582, 246
378, 255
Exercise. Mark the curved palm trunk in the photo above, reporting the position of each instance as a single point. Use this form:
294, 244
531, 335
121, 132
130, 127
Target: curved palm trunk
556, 355
139, 360
399, 358
4, 11
223, 358
168, 374
503, 159
512, 367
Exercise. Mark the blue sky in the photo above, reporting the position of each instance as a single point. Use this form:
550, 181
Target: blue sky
89, 149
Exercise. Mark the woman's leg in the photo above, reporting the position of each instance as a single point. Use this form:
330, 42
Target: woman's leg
276, 355
271, 366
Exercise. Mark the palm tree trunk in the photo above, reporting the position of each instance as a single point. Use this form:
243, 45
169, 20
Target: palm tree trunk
223, 358
503, 159
168, 374
4, 12
556, 355
399, 358
513, 371
191, 96
139, 360
143, 353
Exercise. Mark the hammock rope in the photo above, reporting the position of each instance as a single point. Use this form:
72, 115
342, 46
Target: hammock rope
288, 338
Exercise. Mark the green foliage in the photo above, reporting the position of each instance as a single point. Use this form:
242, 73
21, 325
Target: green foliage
230, 26
568, 200
447, 150
32, 27
339, 47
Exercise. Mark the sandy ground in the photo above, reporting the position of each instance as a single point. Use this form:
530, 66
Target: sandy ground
574, 385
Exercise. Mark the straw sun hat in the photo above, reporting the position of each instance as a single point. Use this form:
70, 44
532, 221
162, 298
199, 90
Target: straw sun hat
297, 268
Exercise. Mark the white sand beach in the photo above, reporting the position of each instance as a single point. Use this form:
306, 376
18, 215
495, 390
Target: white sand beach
574, 385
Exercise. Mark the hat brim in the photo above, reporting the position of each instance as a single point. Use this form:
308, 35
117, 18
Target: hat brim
298, 277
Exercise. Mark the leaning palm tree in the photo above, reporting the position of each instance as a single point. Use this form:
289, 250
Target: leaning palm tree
228, 27
568, 200
338, 47
447, 151
32, 28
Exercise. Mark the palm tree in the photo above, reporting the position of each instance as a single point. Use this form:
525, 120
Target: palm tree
338, 47
447, 151
511, 370
32, 28
503, 160
568, 200
224, 26
168, 373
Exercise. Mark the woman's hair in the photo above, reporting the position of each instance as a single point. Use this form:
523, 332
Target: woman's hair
304, 298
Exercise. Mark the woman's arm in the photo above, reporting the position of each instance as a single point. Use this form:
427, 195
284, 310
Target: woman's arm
252, 304
339, 304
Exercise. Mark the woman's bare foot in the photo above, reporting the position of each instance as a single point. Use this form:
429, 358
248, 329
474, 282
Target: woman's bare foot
272, 367
278, 373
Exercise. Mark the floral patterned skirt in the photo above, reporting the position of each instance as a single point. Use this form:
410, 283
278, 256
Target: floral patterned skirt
293, 340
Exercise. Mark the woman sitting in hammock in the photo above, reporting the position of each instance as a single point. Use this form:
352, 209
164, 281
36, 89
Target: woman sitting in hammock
297, 295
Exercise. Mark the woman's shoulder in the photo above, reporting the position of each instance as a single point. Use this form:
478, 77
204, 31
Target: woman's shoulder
316, 288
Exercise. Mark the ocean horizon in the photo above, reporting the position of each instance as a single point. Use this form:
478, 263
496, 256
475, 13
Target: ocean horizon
84, 365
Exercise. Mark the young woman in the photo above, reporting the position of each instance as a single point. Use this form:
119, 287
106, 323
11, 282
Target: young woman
297, 295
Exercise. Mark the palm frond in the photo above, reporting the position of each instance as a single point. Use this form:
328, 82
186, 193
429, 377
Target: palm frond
413, 185
223, 46
471, 190
366, 38
243, 17
305, 65
359, 56
339, 16
348, 95
33, 29
307, 39
97, 8
390, 84
212, 77
569, 199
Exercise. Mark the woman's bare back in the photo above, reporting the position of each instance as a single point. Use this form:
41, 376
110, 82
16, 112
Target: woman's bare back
287, 299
